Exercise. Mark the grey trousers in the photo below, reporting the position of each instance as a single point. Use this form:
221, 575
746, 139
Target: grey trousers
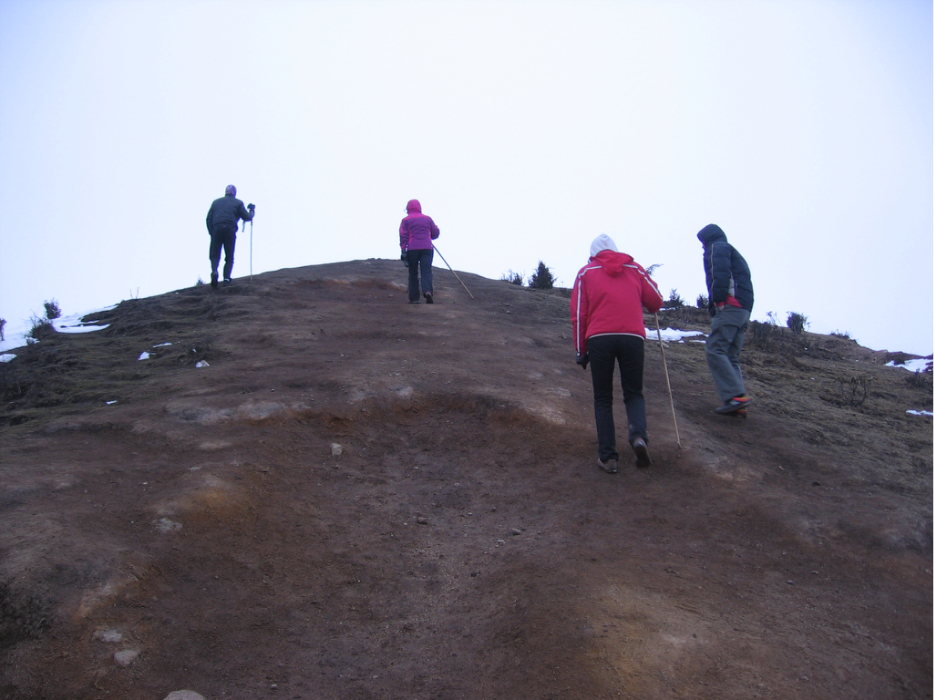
724, 344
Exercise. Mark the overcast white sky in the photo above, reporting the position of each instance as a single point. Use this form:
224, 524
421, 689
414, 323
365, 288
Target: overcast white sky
803, 128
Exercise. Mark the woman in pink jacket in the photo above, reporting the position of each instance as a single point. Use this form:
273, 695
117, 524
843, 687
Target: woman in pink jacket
416, 232
606, 318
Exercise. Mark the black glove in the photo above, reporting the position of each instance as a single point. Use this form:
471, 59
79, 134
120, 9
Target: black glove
582, 360
405, 258
251, 207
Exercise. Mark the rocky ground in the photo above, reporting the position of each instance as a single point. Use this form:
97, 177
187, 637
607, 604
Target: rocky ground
357, 498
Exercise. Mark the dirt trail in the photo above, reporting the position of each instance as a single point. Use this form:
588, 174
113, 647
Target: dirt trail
364, 499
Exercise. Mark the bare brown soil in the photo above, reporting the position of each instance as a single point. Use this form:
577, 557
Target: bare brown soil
363, 499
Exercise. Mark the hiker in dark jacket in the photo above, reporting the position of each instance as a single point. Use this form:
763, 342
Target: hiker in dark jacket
729, 288
606, 320
416, 232
223, 220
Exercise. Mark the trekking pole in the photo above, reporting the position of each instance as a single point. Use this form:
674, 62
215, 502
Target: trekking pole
251, 249
671, 398
452, 270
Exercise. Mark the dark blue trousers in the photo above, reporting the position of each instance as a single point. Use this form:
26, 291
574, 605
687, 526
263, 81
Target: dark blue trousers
228, 241
420, 259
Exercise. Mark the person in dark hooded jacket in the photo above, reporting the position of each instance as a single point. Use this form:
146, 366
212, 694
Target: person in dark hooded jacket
416, 232
729, 286
606, 319
223, 220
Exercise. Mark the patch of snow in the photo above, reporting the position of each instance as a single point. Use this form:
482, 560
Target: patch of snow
920, 413
162, 345
110, 403
74, 324
202, 363
921, 365
143, 356
6, 357
76, 328
672, 335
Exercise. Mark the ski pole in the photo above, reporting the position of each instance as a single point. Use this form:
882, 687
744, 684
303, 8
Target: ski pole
671, 398
452, 270
251, 249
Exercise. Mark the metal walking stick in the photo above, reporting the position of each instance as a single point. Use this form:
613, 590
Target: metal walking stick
251, 249
671, 398
452, 269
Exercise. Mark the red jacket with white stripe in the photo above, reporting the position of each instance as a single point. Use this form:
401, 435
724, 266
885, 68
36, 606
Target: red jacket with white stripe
608, 296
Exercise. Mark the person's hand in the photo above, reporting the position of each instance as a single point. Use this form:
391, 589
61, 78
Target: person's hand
405, 258
251, 207
582, 360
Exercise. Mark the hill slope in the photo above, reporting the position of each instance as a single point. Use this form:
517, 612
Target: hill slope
359, 498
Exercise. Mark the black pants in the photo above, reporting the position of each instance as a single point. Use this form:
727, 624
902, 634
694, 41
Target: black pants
606, 351
226, 239
420, 259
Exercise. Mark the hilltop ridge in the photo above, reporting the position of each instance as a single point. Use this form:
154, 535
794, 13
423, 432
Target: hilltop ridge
355, 497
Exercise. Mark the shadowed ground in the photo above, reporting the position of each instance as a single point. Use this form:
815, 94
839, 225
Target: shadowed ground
359, 498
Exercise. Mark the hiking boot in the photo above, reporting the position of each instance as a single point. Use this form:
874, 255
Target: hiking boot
611, 466
642, 453
737, 403
428, 298
228, 282
414, 301
213, 280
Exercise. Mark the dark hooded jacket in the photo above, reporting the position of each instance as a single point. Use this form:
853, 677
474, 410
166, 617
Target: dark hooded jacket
225, 214
728, 278
417, 230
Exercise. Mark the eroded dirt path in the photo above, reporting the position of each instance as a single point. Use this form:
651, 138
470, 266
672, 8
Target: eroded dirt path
460, 543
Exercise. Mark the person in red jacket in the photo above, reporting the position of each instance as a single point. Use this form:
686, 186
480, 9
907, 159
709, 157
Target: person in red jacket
606, 318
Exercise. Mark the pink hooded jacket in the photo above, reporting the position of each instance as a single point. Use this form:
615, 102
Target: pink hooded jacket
417, 230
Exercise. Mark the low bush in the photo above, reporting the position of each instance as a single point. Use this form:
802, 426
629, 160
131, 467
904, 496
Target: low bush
40, 328
703, 301
853, 391
674, 300
52, 309
920, 380
542, 278
512, 278
797, 322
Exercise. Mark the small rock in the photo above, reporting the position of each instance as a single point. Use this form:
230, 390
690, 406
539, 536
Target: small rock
421, 520
109, 635
515, 531
184, 695
126, 657
165, 526
336, 449
202, 363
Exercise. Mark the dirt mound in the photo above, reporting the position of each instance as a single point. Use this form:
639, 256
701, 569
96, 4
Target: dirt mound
312, 489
